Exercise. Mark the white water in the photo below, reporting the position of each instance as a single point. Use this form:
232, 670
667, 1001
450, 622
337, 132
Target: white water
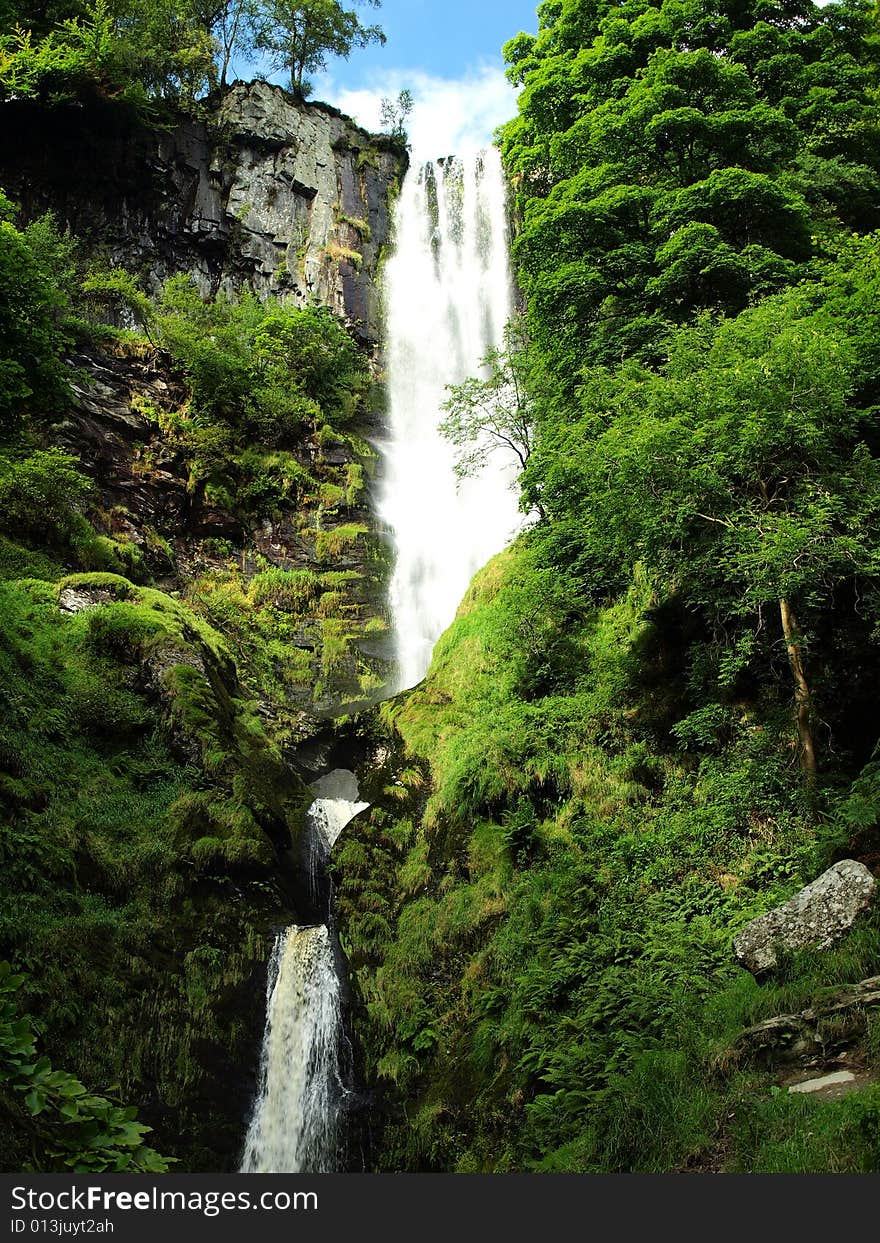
448, 296
294, 1125
335, 807
337, 804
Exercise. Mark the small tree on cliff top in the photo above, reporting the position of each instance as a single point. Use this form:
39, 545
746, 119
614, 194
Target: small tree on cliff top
300, 34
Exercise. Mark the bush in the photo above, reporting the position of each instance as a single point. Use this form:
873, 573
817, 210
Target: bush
33, 303
261, 367
42, 496
76, 1130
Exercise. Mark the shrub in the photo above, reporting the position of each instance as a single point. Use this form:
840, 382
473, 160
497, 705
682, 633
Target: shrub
42, 495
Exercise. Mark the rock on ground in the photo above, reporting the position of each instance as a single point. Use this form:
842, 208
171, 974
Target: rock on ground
817, 916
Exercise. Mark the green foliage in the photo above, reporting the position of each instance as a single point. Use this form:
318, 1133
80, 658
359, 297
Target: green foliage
394, 114
126, 748
117, 290
41, 496
33, 305
143, 52
261, 368
299, 35
668, 159
494, 412
77, 1131
545, 973
540, 939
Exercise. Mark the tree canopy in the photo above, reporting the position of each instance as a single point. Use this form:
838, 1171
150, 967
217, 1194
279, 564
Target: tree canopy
300, 36
669, 159
156, 51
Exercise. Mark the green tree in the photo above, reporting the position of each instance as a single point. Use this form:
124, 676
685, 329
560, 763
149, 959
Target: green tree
669, 159
740, 472
140, 50
299, 37
495, 411
394, 114
232, 24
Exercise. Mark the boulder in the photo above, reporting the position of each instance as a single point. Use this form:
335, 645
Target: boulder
79, 599
817, 917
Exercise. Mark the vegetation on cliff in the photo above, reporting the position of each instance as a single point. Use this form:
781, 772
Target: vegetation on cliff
145, 803
654, 717
165, 54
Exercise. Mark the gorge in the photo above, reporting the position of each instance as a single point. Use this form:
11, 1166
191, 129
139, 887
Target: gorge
447, 294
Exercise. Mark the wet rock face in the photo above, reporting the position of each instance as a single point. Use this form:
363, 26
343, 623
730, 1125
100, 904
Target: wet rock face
817, 917
280, 197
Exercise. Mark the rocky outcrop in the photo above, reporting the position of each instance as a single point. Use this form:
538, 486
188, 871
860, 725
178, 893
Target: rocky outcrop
818, 1033
261, 193
817, 917
281, 197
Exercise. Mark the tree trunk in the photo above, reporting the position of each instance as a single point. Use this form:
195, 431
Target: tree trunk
802, 697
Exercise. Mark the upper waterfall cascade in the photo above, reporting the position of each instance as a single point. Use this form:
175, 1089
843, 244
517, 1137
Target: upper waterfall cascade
448, 297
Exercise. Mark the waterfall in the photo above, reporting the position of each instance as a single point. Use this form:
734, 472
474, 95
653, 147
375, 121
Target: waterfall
336, 805
294, 1125
295, 1122
448, 297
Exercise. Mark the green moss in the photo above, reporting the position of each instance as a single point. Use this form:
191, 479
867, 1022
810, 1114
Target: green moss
360, 226
333, 543
342, 254
19, 562
127, 748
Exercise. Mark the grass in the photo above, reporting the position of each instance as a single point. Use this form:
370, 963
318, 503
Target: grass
541, 935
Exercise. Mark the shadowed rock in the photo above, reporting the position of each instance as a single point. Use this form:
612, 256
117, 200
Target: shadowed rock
831, 1024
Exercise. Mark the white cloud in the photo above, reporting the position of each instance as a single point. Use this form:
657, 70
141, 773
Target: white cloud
450, 116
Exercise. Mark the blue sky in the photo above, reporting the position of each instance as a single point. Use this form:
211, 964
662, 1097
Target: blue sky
448, 53
445, 39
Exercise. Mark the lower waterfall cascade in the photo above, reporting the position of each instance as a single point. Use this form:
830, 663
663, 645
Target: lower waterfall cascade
449, 296
294, 1127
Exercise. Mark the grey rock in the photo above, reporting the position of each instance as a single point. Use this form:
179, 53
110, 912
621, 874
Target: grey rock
817, 916
266, 193
79, 599
809, 1086
825, 1029
171, 656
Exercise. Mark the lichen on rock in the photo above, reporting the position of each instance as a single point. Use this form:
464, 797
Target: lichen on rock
817, 916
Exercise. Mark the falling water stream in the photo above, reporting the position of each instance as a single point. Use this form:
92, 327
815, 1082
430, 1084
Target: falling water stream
294, 1125
448, 295
448, 298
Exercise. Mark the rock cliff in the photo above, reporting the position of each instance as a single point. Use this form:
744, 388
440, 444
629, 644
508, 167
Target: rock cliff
285, 198
265, 194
